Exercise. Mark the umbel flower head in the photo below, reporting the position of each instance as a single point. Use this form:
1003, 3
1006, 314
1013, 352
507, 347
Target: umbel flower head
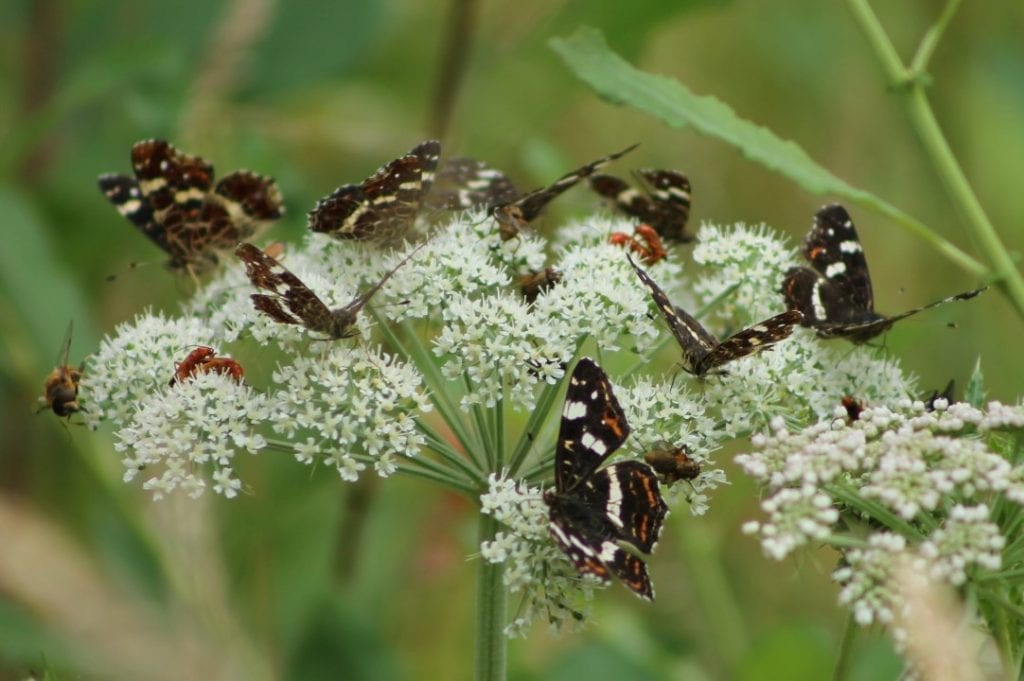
448, 348
936, 487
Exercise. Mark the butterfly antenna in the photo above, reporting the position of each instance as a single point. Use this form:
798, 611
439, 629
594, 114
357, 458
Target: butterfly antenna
364, 297
966, 295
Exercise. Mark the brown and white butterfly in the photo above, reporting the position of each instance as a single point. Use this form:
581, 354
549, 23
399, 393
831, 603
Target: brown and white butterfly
702, 352
384, 206
173, 200
289, 301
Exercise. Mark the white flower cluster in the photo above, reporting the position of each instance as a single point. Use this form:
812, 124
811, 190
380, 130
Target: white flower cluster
659, 416
347, 403
138, 360
178, 433
492, 339
751, 259
534, 566
867, 576
966, 539
929, 476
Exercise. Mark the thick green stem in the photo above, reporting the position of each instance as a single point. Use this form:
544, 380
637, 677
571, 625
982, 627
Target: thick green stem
491, 642
841, 672
923, 120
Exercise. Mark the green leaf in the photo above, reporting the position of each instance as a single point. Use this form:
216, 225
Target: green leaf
590, 58
975, 392
615, 79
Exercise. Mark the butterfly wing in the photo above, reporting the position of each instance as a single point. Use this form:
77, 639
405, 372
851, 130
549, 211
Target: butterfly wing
670, 198
753, 339
695, 341
285, 291
593, 426
529, 206
463, 183
383, 207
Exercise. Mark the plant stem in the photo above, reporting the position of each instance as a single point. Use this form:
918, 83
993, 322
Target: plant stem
930, 41
415, 352
724, 621
922, 119
842, 668
491, 642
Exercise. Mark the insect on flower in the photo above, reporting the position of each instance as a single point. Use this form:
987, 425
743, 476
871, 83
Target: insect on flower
533, 284
173, 200
665, 206
60, 389
204, 360
834, 293
292, 302
644, 241
593, 512
515, 215
384, 206
702, 352
672, 463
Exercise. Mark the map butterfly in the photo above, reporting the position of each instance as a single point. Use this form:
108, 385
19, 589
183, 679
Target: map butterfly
594, 512
701, 350
60, 389
172, 199
513, 215
834, 293
291, 302
665, 206
383, 208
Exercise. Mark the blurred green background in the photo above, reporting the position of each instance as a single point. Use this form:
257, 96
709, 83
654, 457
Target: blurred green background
309, 578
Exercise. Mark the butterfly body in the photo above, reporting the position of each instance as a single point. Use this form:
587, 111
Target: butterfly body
384, 206
289, 301
173, 200
602, 517
834, 293
702, 352
665, 206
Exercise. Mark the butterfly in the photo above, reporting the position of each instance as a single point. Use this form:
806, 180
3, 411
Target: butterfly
60, 389
385, 205
701, 350
291, 302
592, 512
513, 215
173, 200
665, 206
834, 293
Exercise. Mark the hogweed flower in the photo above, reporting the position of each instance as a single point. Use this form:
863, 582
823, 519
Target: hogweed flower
939, 490
450, 354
